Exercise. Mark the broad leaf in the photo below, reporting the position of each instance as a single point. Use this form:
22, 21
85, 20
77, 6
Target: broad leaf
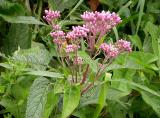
70, 100
37, 98
152, 100
19, 36
37, 57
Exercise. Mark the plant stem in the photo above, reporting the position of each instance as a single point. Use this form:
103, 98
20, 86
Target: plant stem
85, 75
99, 73
38, 17
86, 89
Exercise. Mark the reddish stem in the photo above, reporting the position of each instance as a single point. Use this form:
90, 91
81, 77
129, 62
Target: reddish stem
85, 75
99, 73
86, 89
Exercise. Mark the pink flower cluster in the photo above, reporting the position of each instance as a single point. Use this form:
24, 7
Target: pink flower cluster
57, 34
113, 50
71, 48
100, 22
123, 45
56, 27
109, 49
51, 15
77, 32
96, 24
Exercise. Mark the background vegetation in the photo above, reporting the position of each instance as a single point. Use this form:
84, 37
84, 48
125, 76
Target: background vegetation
32, 82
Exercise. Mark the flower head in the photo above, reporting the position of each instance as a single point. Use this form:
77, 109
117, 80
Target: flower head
71, 48
57, 34
109, 49
51, 15
100, 22
56, 27
123, 45
77, 32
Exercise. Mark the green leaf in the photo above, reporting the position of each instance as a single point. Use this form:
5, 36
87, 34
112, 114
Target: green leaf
152, 100
136, 86
100, 42
141, 4
37, 98
52, 101
7, 66
116, 109
153, 30
135, 60
70, 100
19, 36
12, 9
11, 105
21, 19
45, 74
75, 7
37, 57
92, 64
61, 5
101, 99
116, 33
2, 89
125, 7
136, 41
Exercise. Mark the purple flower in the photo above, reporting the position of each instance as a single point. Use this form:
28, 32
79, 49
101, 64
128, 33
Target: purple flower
109, 49
57, 34
71, 48
56, 27
58, 41
77, 32
51, 15
123, 45
100, 22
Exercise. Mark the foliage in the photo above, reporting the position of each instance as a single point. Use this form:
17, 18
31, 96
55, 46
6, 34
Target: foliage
36, 83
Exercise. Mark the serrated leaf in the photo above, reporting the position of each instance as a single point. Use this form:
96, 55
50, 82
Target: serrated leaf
37, 98
37, 57
19, 36
70, 100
